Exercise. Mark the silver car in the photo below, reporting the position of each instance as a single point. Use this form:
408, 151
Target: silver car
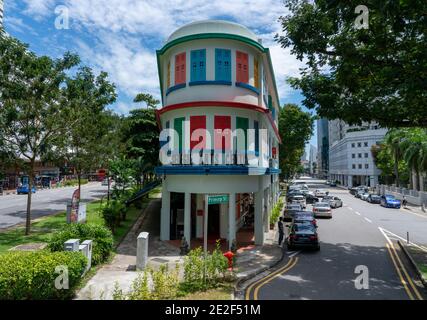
322, 210
335, 202
299, 200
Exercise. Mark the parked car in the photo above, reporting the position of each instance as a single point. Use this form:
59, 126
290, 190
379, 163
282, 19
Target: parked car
290, 195
333, 184
304, 217
334, 202
373, 198
290, 210
365, 196
24, 189
322, 209
354, 190
299, 200
310, 199
390, 201
303, 235
321, 193
359, 193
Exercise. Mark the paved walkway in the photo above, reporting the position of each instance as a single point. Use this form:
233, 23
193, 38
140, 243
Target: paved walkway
250, 261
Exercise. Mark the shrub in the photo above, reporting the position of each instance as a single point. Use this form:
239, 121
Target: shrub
201, 273
101, 236
113, 213
276, 211
31, 275
74, 182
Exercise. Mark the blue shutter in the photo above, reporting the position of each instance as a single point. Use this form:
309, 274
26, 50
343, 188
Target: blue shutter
222, 65
198, 65
202, 65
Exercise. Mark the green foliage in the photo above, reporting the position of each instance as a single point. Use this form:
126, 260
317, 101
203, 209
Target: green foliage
296, 128
113, 213
74, 182
276, 211
201, 273
165, 285
101, 236
357, 74
31, 275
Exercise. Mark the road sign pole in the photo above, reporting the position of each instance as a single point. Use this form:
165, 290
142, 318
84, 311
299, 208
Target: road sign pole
205, 227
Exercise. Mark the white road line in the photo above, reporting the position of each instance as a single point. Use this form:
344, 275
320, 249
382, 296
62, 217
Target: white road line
350, 208
383, 231
409, 211
370, 221
358, 213
294, 254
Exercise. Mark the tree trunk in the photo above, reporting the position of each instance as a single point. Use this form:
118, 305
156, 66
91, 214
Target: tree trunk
79, 178
414, 179
30, 193
396, 169
421, 184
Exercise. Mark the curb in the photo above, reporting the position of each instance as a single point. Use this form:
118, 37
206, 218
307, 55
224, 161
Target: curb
414, 265
238, 289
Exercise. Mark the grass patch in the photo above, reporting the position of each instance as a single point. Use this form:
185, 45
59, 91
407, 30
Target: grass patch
221, 293
423, 269
43, 228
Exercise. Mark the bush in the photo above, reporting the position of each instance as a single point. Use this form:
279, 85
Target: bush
195, 264
113, 213
74, 182
101, 236
276, 211
31, 275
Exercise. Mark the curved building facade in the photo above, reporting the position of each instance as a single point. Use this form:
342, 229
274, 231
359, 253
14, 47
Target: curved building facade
220, 140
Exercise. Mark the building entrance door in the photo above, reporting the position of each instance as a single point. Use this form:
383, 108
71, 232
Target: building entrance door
214, 222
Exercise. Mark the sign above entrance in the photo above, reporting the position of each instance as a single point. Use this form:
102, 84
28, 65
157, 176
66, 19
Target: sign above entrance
217, 199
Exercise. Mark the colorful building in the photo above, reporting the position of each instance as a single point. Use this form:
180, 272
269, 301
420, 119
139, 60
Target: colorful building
220, 137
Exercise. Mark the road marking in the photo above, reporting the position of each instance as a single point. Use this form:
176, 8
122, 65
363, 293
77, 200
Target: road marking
392, 250
370, 221
279, 271
358, 213
408, 292
248, 290
395, 235
350, 208
417, 214
275, 276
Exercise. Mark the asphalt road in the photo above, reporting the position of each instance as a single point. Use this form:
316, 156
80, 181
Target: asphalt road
360, 235
44, 202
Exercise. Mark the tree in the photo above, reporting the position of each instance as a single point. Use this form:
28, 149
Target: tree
141, 135
357, 74
296, 129
30, 106
393, 142
86, 121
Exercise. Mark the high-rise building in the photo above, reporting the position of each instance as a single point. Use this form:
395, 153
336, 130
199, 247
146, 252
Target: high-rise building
350, 157
312, 159
322, 147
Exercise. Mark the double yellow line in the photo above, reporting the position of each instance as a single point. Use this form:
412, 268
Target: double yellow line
399, 268
261, 282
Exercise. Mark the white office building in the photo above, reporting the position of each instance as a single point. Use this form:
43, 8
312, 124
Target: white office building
350, 158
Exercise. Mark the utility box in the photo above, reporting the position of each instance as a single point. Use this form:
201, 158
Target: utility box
72, 245
142, 251
89, 244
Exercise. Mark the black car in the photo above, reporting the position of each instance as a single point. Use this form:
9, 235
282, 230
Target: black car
304, 217
303, 235
373, 198
310, 199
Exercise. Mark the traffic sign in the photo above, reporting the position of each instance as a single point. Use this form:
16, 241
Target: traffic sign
217, 199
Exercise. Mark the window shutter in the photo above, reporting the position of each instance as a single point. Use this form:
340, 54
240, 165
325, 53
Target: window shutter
242, 72
197, 122
256, 128
243, 124
168, 82
256, 73
222, 65
178, 127
183, 66
222, 142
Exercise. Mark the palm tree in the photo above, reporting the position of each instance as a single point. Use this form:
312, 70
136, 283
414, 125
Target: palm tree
393, 141
414, 150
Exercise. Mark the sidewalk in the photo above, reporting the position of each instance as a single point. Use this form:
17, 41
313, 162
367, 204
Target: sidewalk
250, 260
122, 269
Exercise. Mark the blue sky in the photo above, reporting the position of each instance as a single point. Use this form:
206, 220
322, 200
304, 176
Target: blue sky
121, 36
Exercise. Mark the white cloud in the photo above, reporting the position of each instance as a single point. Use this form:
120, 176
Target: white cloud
125, 34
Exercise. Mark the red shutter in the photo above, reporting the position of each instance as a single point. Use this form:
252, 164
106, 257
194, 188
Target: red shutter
180, 68
242, 67
197, 122
222, 141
